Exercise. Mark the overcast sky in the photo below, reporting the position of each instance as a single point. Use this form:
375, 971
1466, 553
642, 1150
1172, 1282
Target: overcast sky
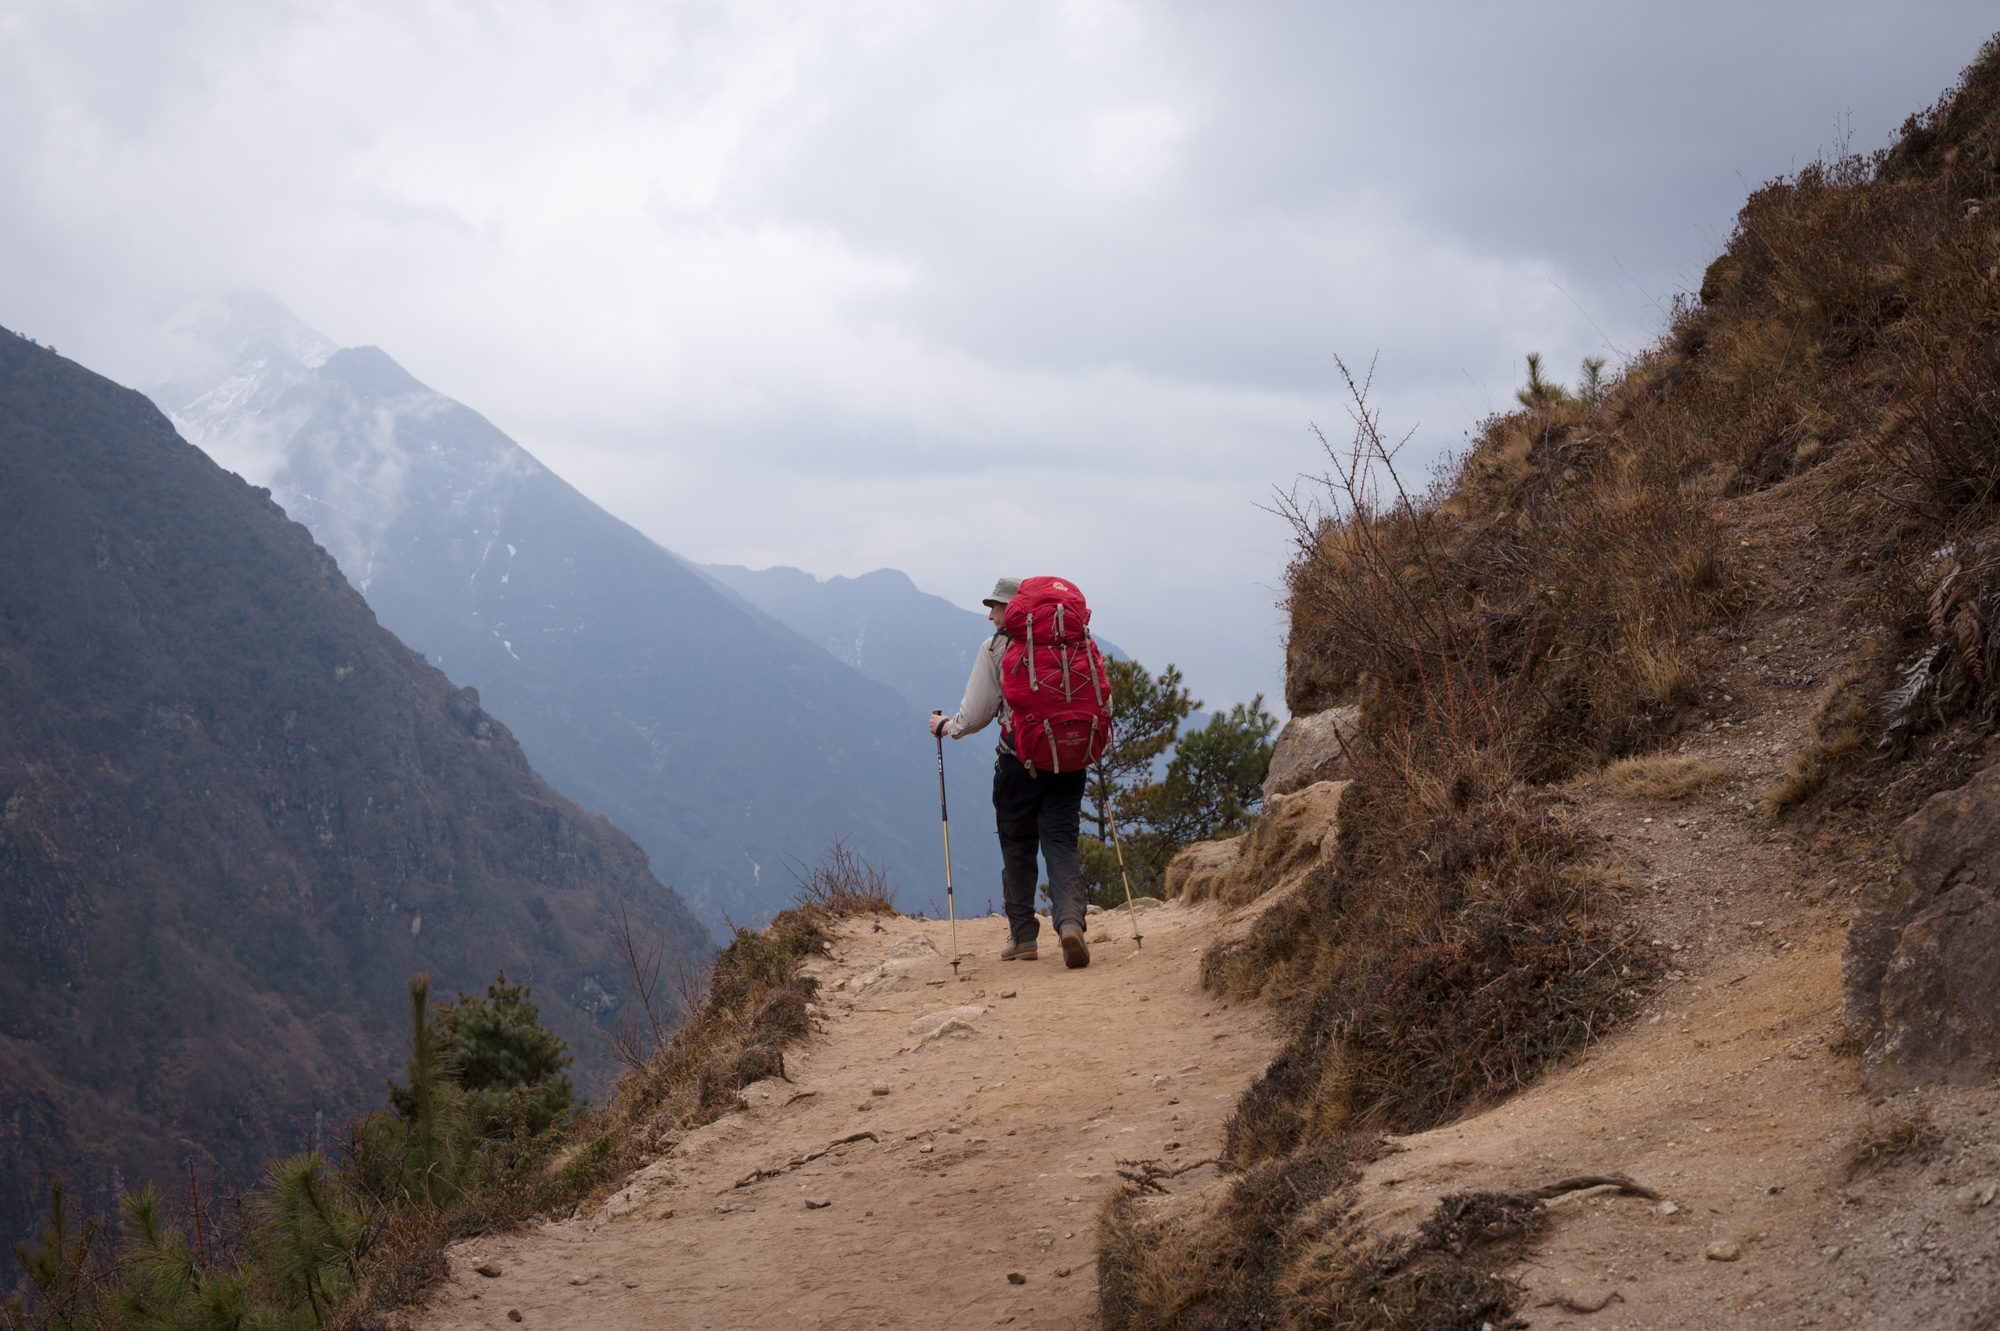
961, 288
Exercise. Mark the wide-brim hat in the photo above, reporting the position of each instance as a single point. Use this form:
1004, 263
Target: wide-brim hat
1003, 591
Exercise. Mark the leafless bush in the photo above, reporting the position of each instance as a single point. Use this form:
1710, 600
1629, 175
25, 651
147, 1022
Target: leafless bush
640, 952
843, 883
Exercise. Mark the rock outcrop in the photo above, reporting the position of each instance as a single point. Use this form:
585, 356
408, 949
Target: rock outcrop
1295, 833
1923, 957
1311, 749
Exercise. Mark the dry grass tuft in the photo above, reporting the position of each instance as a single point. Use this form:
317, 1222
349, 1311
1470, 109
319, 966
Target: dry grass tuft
1663, 776
1446, 971
1213, 1258
1280, 1246
1891, 1141
1843, 722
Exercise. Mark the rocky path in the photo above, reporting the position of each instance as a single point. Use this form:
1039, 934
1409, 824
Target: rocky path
936, 1159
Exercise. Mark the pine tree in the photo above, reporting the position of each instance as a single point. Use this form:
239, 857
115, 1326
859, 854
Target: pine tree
60, 1265
1215, 783
1539, 393
1211, 785
432, 1143
308, 1235
165, 1287
1146, 720
508, 1063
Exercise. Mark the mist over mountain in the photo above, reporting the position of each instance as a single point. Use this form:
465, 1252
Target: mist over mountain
880, 623
730, 748
236, 814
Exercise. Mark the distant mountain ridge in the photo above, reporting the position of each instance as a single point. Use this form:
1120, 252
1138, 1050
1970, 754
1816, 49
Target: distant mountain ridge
730, 748
236, 814
880, 623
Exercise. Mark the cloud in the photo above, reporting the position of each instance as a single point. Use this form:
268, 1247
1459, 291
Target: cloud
954, 287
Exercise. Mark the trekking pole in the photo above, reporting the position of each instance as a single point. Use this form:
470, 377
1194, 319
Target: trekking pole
1138, 939
944, 816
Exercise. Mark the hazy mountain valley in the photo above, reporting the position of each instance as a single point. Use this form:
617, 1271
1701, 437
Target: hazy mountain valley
1609, 939
238, 814
697, 721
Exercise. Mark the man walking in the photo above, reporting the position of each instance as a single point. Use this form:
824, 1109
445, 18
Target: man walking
1036, 809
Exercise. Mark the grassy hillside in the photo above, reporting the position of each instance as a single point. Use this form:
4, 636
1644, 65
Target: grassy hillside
1558, 603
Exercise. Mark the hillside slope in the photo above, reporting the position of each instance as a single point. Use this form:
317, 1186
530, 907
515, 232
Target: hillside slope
1653, 982
235, 815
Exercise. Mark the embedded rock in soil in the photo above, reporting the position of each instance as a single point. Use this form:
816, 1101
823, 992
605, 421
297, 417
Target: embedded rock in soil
1922, 973
1292, 835
1312, 749
931, 1023
1203, 863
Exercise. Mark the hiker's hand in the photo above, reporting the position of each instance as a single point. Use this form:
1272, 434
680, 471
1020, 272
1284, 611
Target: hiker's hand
938, 722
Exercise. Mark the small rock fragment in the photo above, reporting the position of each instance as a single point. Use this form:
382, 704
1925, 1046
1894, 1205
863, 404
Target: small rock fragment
513, 1314
1062, 1272
1006, 993
1666, 1208
879, 1088
1723, 1250
631, 1284
1016, 1278
817, 1203
488, 1269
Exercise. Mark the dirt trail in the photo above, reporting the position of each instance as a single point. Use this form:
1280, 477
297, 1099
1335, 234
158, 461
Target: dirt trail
995, 1143
1733, 1095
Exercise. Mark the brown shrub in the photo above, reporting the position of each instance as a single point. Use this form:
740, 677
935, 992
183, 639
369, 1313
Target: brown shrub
1280, 1246
1455, 958
1212, 1260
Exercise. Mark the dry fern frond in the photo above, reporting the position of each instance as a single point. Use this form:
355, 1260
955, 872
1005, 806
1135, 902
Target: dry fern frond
1913, 705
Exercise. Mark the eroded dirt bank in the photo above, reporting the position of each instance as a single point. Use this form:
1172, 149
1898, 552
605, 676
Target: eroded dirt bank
1013, 1092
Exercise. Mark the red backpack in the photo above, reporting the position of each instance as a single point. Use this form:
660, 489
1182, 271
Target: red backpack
1053, 677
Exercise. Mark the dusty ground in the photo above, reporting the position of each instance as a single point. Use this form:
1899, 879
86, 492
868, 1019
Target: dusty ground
1734, 1095
989, 1154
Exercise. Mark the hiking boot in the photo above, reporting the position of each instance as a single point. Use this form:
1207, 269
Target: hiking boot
1076, 952
1020, 950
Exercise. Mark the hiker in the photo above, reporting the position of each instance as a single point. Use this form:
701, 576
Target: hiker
1037, 803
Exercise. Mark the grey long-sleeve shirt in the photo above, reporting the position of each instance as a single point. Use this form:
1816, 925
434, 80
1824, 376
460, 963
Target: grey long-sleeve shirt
983, 700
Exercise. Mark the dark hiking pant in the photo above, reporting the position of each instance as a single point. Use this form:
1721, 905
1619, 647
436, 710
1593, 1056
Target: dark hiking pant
1038, 813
